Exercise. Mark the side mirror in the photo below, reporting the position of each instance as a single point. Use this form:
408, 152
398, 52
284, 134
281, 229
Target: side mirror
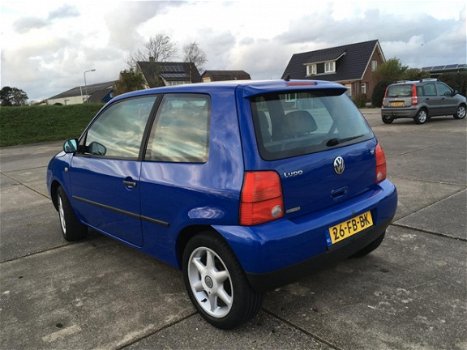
97, 149
70, 146
455, 92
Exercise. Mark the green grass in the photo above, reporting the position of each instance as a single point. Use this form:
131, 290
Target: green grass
30, 124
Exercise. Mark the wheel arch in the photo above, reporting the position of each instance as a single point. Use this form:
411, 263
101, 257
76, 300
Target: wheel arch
189, 232
53, 192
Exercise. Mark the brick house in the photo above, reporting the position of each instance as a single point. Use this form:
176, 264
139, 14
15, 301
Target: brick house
223, 75
167, 73
351, 65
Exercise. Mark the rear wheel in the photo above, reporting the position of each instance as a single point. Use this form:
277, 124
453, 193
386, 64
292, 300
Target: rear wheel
216, 283
421, 117
460, 113
369, 248
72, 229
387, 119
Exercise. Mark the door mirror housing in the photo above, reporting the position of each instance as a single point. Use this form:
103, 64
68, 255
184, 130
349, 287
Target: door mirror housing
70, 146
97, 149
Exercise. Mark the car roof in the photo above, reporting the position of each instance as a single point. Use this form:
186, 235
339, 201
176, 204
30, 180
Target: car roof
408, 82
249, 87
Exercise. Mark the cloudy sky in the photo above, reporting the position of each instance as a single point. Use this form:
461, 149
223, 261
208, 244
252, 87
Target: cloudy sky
47, 45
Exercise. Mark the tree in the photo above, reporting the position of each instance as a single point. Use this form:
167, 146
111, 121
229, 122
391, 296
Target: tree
12, 96
193, 54
378, 93
391, 70
458, 81
159, 48
415, 74
129, 81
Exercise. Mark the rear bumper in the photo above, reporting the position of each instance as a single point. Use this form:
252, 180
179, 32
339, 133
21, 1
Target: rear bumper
399, 112
283, 250
265, 281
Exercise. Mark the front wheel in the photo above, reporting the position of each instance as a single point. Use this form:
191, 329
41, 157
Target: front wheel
387, 119
460, 113
216, 283
421, 117
72, 229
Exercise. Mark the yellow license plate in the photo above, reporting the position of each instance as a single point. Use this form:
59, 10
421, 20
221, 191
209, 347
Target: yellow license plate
350, 227
397, 104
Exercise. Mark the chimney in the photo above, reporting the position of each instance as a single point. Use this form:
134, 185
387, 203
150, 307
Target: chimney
151, 59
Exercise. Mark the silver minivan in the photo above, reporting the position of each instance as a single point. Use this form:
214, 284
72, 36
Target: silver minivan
421, 100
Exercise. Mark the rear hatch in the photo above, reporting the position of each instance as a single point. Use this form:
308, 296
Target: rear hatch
319, 144
399, 96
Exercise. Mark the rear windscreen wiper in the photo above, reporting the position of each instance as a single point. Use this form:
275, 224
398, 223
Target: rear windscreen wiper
336, 141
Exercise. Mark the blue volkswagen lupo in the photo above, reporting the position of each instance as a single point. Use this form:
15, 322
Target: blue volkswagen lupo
243, 186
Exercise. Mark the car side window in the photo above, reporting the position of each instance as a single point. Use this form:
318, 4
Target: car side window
118, 131
429, 90
181, 130
443, 89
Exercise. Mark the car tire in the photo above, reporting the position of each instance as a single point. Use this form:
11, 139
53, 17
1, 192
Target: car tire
72, 229
370, 247
387, 119
460, 113
421, 117
216, 283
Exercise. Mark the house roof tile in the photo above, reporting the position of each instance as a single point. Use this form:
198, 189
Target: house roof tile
222, 75
170, 71
351, 63
90, 89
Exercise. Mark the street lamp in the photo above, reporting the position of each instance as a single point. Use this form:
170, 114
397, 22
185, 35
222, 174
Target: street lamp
84, 76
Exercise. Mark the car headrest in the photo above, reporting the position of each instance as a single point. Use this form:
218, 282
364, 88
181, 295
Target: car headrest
300, 123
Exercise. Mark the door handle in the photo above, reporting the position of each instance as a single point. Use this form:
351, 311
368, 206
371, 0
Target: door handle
129, 183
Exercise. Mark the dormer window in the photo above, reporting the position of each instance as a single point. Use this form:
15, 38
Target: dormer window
310, 69
330, 67
320, 68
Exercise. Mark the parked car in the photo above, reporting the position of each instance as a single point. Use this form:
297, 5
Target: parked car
244, 186
421, 100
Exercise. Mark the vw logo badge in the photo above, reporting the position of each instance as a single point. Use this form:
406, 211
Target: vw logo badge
339, 165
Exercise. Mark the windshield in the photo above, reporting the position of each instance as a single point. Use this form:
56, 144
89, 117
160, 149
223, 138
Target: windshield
292, 124
399, 91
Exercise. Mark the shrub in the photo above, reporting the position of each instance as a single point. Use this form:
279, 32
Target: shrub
361, 100
378, 93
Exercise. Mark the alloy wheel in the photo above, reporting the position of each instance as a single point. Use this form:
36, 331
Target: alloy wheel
61, 214
210, 282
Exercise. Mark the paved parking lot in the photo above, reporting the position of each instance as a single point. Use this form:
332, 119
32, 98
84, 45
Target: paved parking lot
411, 293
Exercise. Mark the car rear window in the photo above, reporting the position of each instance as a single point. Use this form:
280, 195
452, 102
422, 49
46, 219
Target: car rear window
293, 124
399, 90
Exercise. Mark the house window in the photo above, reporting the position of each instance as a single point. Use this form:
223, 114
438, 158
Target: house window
320, 68
291, 97
310, 69
172, 83
330, 67
363, 89
374, 65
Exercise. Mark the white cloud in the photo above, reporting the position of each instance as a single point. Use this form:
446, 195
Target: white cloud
46, 45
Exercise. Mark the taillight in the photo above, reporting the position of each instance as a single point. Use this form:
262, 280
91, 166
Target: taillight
380, 164
414, 95
261, 198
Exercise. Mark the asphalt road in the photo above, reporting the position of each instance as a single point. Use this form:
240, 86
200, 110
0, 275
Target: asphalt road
411, 293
